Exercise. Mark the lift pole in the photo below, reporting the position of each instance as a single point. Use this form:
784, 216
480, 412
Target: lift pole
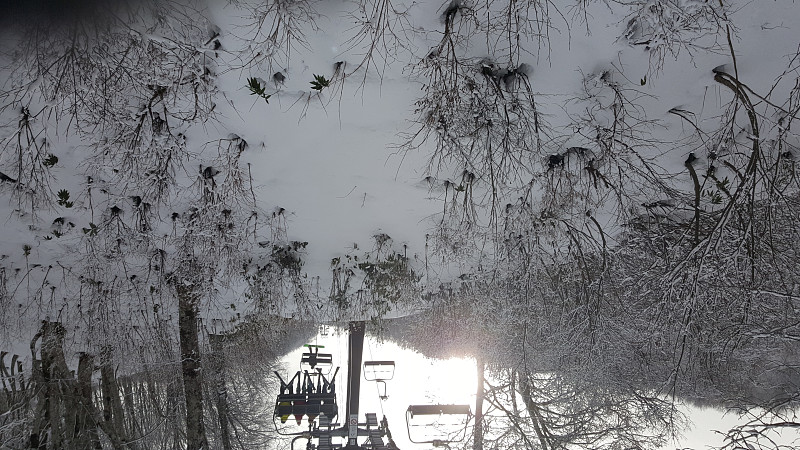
356, 350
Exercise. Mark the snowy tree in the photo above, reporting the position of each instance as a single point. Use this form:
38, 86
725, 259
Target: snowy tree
158, 220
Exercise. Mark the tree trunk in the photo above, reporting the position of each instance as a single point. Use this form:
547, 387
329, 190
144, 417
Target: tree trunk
190, 363
55, 422
477, 433
56, 378
38, 435
38, 438
133, 406
525, 392
86, 434
7, 396
15, 410
173, 405
218, 367
154, 404
113, 414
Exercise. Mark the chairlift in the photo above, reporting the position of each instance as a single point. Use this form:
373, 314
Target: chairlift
313, 359
437, 424
380, 372
306, 395
312, 393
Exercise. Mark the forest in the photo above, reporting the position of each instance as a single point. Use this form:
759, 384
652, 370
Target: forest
597, 200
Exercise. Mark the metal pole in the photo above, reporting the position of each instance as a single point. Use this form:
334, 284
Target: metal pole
356, 350
477, 434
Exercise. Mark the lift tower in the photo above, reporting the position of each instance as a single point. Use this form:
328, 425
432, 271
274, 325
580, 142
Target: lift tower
355, 352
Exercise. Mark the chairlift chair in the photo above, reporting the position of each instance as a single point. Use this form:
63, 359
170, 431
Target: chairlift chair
310, 393
307, 394
380, 372
313, 359
442, 424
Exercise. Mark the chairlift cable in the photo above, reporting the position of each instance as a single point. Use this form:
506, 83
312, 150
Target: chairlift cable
377, 388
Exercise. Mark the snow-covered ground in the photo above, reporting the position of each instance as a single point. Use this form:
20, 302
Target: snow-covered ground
330, 158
